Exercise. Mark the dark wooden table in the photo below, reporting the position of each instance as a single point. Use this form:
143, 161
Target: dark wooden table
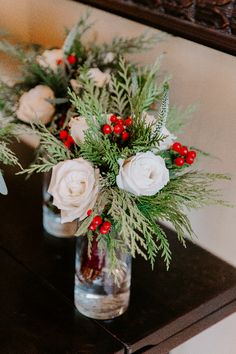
37, 314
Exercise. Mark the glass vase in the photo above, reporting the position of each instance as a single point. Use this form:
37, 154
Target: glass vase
51, 215
98, 293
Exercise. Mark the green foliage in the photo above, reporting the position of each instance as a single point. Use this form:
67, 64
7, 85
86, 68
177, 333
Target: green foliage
7, 157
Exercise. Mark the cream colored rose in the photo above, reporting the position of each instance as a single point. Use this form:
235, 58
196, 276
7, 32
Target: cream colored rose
50, 58
142, 174
169, 138
34, 107
100, 79
78, 127
74, 187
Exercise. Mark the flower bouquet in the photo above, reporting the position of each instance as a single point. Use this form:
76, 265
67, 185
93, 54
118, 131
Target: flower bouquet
41, 94
125, 174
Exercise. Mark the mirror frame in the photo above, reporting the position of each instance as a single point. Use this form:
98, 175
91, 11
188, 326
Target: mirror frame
211, 23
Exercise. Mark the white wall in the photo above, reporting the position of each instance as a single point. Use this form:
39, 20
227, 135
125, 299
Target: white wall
199, 74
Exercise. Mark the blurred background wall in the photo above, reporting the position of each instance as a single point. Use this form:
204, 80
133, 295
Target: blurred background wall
199, 75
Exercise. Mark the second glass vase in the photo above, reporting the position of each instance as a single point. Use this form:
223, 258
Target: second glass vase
51, 215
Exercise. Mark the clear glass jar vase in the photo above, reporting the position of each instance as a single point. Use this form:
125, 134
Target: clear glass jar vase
98, 293
51, 215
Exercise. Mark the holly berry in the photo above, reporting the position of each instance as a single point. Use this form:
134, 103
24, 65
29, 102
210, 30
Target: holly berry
97, 220
71, 59
119, 121
179, 161
89, 212
184, 151
113, 118
125, 135
176, 147
63, 134
192, 154
106, 225
189, 160
67, 144
92, 227
118, 129
59, 61
103, 231
70, 140
106, 129
128, 122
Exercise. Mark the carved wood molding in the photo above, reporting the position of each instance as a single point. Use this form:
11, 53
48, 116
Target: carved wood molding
209, 22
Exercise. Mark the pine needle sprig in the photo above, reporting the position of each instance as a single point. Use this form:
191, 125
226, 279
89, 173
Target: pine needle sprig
134, 229
140, 43
119, 99
7, 157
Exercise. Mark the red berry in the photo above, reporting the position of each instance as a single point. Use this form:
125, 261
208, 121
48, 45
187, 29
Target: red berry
89, 212
179, 161
103, 231
59, 61
92, 227
70, 140
184, 151
120, 121
189, 160
118, 129
176, 147
192, 154
106, 129
113, 118
125, 135
67, 143
63, 134
128, 122
71, 59
106, 225
97, 220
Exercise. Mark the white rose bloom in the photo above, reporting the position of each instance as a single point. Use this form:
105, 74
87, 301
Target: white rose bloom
49, 58
169, 139
142, 174
100, 79
78, 127
34, 107
74, 187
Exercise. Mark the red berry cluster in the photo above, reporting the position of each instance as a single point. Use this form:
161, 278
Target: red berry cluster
66, 138
184, 154
98, 221
118, 127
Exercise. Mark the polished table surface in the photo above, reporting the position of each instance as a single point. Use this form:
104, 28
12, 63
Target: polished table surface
37, 314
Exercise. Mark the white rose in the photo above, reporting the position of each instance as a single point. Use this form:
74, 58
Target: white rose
78, 127
169, 138
34, 107
74, 187
142, 174
50, 58
100, 79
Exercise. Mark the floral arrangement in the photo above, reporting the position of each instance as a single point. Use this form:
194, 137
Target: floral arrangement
40, 95
126, 170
